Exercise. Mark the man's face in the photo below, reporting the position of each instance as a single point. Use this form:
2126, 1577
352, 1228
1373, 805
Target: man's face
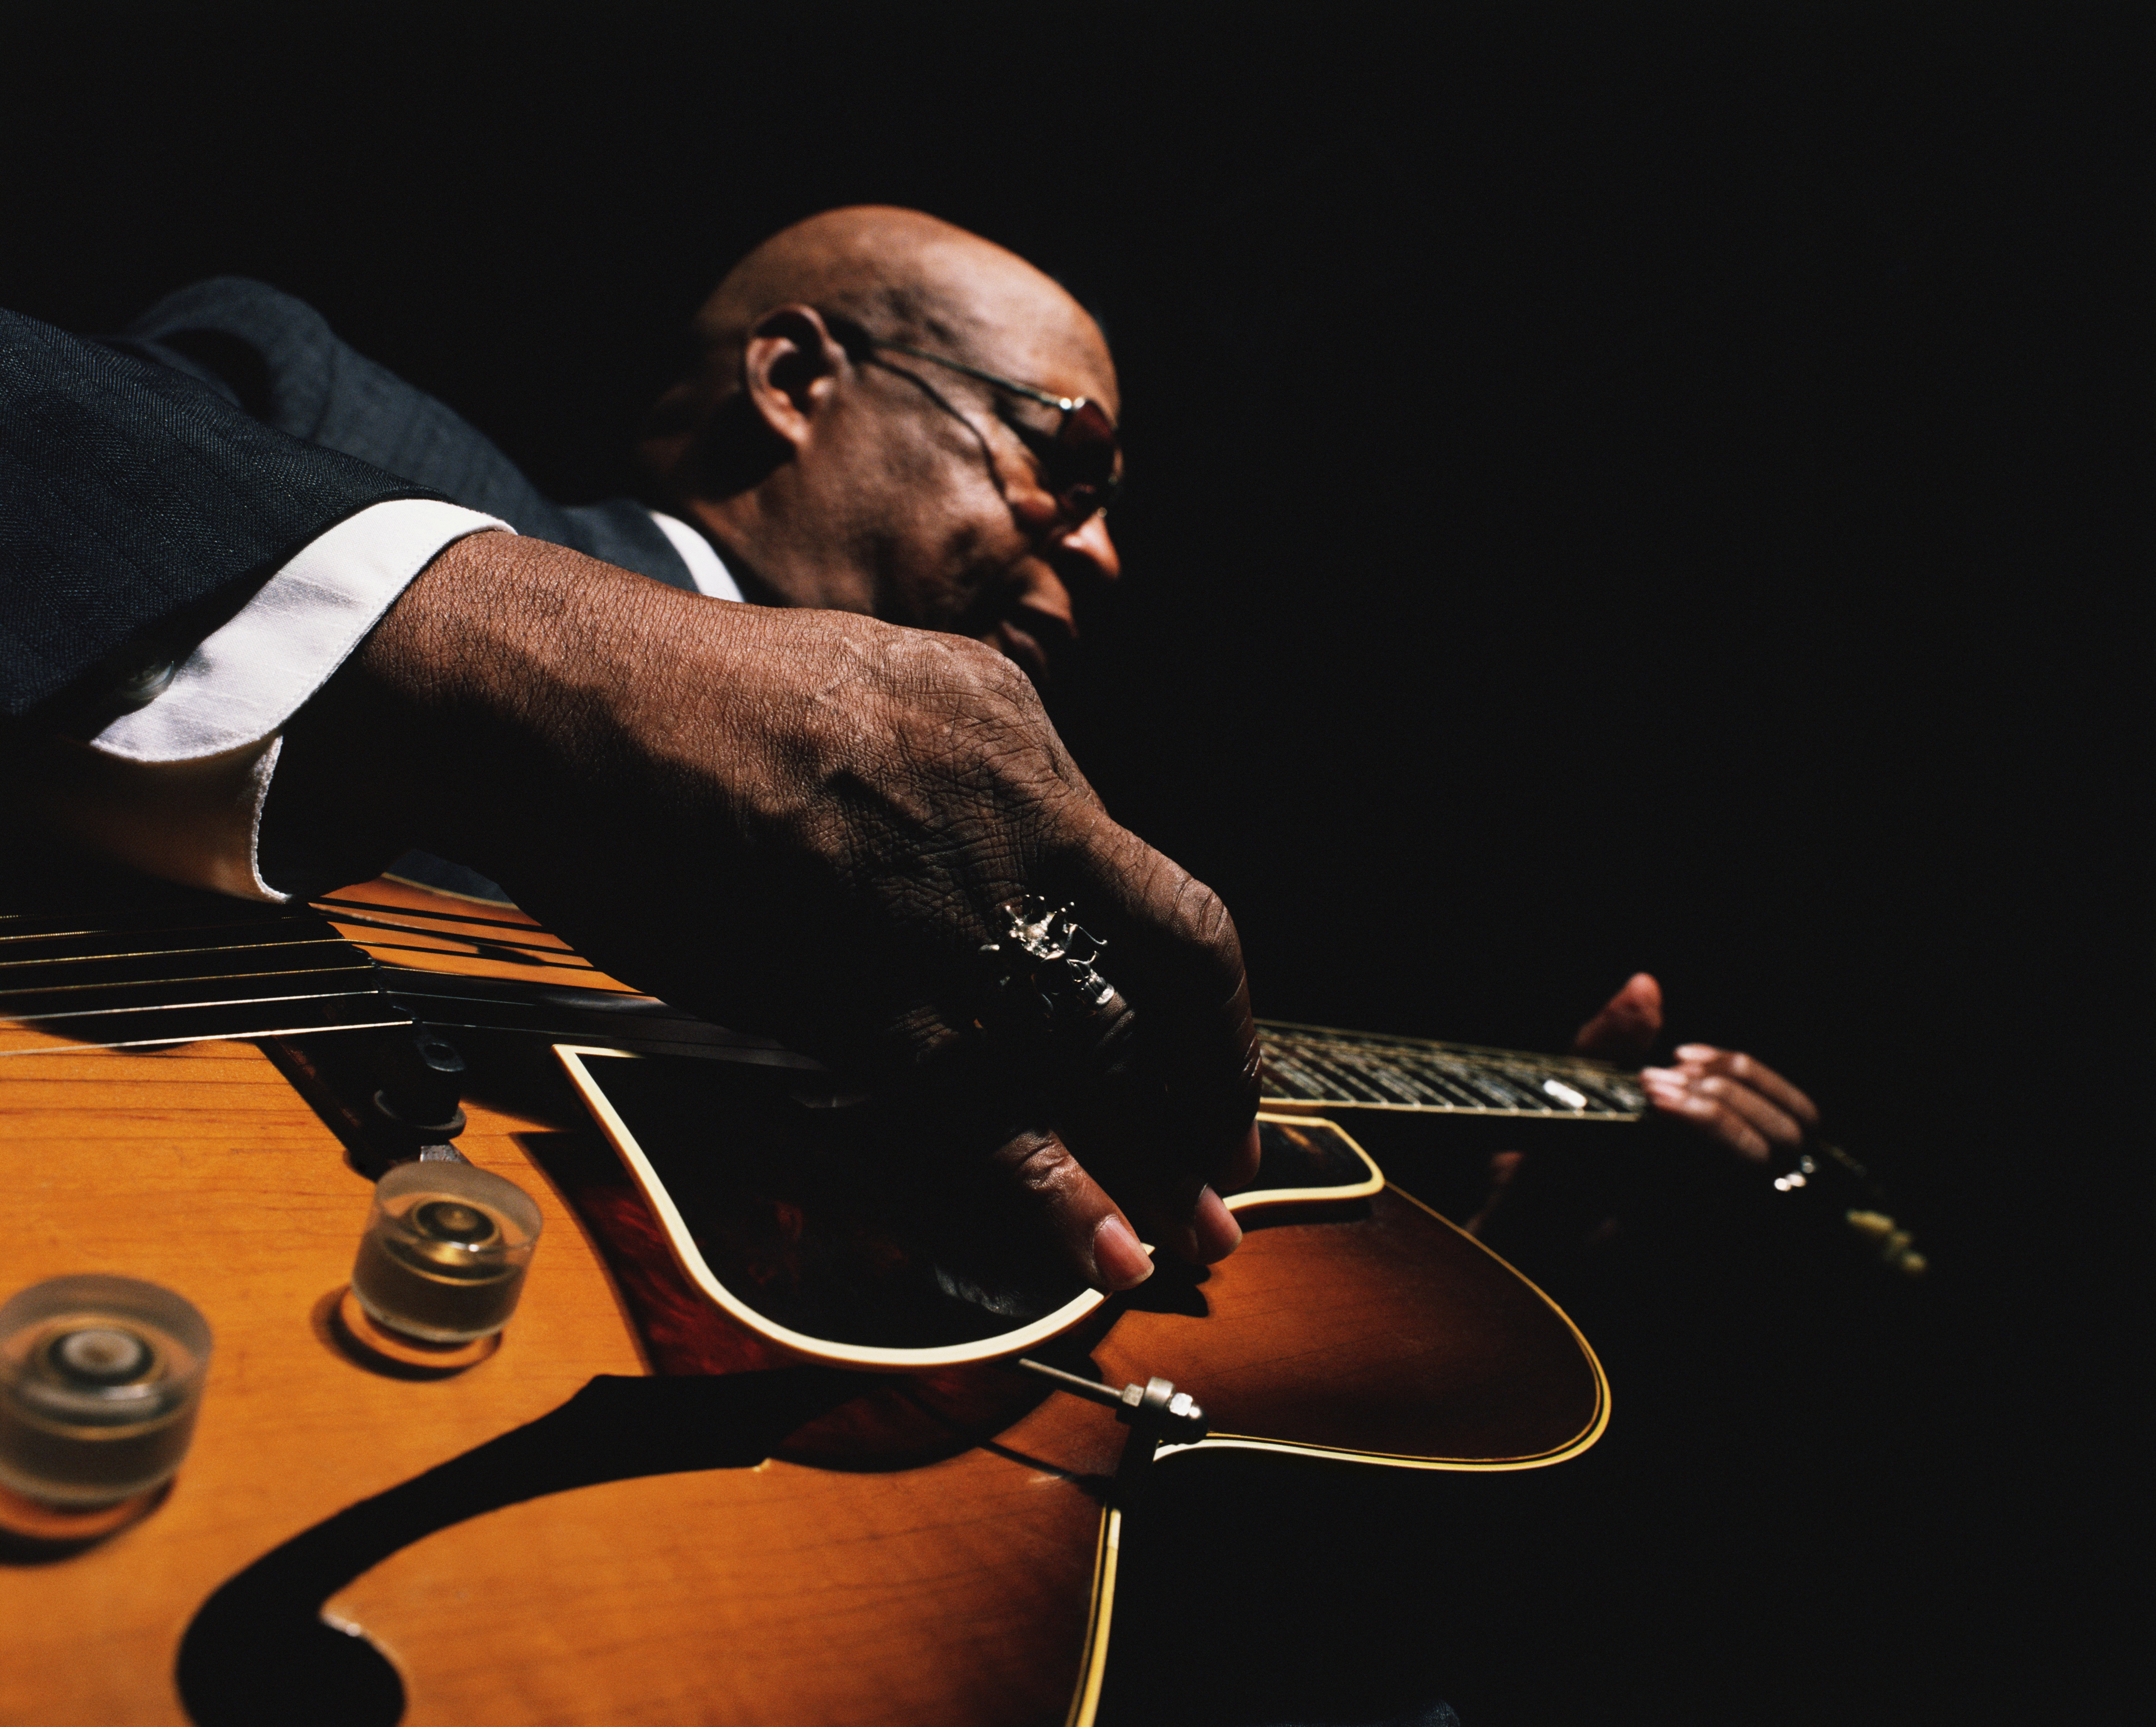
955, 487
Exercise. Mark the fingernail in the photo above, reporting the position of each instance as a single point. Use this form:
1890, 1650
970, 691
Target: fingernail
1119, 1263
1696, 1052
1214, 1234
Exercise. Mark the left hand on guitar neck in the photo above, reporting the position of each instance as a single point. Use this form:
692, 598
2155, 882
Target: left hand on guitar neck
1733, 1098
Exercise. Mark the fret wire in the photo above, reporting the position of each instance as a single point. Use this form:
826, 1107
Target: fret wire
1475, 1059
1320, 1067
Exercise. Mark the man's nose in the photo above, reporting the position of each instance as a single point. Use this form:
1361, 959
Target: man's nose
1089, 541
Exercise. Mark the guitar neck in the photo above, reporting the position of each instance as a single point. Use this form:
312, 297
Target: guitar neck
146, 965
165, 965
1321, 1066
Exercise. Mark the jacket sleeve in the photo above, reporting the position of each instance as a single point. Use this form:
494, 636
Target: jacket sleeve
275, 357
138, 505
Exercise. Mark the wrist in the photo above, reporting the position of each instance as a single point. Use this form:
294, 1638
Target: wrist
446, 726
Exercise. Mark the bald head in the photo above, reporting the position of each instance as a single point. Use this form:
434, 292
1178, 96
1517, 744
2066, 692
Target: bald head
832, 467
902, 275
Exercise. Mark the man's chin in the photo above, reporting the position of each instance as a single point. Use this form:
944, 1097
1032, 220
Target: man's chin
1022, 645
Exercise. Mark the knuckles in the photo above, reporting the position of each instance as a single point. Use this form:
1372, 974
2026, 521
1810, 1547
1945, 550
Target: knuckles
944, 704
1041, 1164
933, 744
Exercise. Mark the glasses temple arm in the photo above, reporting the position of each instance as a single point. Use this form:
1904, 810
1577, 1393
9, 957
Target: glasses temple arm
1062, 404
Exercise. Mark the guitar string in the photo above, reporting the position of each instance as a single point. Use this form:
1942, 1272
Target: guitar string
1311, 1043
470, 948
549, 944
209, 977
294, 933
109, 930
143, 979
13, 965
441, 986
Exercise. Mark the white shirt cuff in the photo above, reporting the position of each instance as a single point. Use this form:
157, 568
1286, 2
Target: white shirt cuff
241, 683
176, 788
713, 579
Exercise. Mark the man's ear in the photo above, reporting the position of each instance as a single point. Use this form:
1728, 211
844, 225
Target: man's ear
790, 366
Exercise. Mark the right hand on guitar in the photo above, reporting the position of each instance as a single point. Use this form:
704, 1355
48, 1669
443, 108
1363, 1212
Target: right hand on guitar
800, 823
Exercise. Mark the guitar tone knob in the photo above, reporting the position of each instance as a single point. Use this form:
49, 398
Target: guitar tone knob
100, 1378
441, 1266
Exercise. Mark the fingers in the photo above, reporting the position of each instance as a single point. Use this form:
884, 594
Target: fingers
1723, 1118
1174, 955
1242, 1166
1733, 1098
1628, 1025
1088, 1226
1136, 1149
1155, 1089
1214, 1234
1094, 1233
1750, 1072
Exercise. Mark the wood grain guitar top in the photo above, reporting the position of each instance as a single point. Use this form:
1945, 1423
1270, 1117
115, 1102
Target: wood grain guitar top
635, 1509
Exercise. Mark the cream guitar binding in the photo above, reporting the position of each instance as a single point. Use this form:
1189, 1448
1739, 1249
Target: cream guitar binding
781, 1216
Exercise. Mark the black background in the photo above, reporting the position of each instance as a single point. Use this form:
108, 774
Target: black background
1611, 487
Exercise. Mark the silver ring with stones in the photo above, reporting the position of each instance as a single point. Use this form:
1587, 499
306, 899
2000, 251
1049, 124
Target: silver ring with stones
1047, 961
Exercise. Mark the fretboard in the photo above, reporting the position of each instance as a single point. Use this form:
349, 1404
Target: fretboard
1362, 1070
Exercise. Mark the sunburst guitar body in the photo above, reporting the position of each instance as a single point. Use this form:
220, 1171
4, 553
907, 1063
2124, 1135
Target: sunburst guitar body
743, 1455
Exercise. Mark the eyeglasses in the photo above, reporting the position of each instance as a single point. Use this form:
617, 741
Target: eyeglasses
1078, 459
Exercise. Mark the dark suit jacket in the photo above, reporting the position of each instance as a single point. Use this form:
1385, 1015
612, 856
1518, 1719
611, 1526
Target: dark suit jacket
149, 486
276, 358
133, 502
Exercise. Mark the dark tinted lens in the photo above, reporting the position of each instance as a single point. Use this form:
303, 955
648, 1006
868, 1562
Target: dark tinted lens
1087, 439
1085, 459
